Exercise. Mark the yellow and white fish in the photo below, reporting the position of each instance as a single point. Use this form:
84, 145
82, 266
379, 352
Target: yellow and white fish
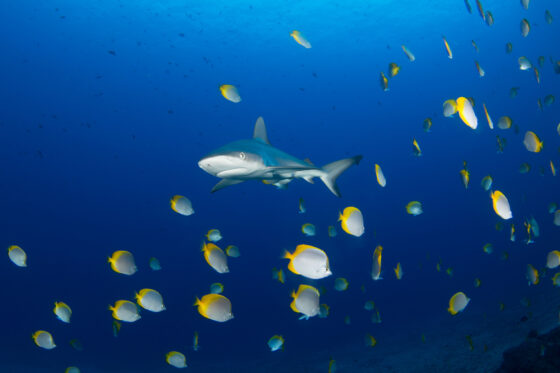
416, 148
124, 310
230, 93
352, 221
308, 229
150, 299
488, 119
62, 311
466, 112
43, 339
532, 142
181, 205
408, 53
447, 48
215, 257
214, 235
398, 271
532, 275
380, 176
308, 261
276, 343
414, 208
376, 268
215, 307
457, 303
17, 256
501, 205
300, 39
176, 359
122, 261
305, 301
486, 182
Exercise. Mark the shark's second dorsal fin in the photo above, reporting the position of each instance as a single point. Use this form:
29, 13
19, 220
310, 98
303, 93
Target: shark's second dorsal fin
260, 131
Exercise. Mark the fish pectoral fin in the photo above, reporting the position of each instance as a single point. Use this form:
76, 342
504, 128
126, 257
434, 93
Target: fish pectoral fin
309, 179
225, 183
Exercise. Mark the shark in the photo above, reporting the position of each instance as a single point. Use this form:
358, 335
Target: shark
257, 159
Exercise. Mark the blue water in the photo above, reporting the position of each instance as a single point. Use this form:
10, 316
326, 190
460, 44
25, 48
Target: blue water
94, 144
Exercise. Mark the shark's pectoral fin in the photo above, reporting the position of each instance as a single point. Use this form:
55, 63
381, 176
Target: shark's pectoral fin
309, 179
225, 183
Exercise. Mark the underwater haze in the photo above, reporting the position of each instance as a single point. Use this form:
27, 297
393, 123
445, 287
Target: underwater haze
107, 107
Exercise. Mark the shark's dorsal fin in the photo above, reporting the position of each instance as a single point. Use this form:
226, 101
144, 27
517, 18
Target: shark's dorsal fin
259, 133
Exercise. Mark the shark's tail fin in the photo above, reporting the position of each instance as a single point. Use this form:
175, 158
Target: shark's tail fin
334, 169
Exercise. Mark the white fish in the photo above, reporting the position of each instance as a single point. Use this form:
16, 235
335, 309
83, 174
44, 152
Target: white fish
150, 300
43, 339
306, 301
125, 310
176, 359
17, 256
308, 261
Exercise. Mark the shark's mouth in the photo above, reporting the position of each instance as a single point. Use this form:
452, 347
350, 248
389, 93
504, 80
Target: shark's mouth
234, 172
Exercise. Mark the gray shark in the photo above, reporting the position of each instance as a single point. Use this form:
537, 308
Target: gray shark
256, 159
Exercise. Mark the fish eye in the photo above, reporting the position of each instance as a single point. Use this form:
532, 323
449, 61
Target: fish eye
242, 155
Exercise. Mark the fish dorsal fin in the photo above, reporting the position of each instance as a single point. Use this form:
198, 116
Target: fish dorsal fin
259, 133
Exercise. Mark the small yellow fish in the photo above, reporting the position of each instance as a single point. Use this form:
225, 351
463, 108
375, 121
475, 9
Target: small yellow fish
525, 27
408, 53
195, 346
278, 274
300, 39
475, 46
532, 142
509, 47
481, 72
476, 282
458, 303
116, 328
380, 176
532, 275
370, 341
447, 48
301, 206
414, 208
427, 124
383, 81
465, 175
43, 339
490, 123
230, 93
416, 148
376, 269
393, 69
466, 112
398, 271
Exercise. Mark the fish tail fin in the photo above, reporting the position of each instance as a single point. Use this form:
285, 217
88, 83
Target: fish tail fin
287, 255
333, 171
197, 302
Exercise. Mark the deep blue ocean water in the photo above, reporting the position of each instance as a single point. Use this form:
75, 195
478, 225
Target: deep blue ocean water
107, 106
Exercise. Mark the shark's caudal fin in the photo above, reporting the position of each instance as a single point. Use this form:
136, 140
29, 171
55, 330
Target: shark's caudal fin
334, 170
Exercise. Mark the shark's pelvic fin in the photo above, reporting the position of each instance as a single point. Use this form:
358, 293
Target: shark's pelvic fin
334, 170
225, 183
260, 131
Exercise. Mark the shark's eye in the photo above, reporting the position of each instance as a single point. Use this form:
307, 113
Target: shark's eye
242, 155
